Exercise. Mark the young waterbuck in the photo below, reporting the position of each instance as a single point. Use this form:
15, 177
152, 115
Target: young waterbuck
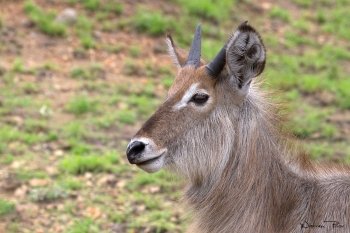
218, 130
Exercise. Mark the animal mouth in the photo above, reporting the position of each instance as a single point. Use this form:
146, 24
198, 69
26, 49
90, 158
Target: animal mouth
150, 161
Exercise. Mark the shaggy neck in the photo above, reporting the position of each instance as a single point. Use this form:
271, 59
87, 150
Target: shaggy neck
251, 192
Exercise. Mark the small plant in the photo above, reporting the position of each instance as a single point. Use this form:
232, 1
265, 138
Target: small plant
84, 29
167, 81
126, 116
91, 4
338, 23
134, 51
45, 21
84, 226
279, 13
210, 9
6, 207
153, 23
130, 68
312, 121
343, 94
18, 66
81, 105
47, 194
92, 72
1, 23
114, 7
303, 3
71, 183
144, 104
80, 164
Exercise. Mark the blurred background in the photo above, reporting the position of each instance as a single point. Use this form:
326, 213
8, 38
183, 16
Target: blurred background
78, 78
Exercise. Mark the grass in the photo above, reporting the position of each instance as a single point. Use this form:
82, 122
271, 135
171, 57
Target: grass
91, 5
84, 29
78, 164
134, 51
343, 94
312, 121
280, 13
92, 72
47, 194
80, 105
43, 20
61, 127
71, 183
114, 7
130, 68
126, 116
336, 22
153, 23
85, 225
209, 9
6, 207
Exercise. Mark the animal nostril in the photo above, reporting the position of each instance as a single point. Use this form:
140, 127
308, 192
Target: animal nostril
134, 149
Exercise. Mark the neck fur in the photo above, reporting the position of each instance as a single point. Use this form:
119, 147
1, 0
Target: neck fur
257, 179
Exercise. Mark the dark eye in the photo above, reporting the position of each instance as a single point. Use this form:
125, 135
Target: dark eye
199, 98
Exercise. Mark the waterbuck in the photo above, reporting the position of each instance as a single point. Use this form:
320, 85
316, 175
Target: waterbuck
219, 130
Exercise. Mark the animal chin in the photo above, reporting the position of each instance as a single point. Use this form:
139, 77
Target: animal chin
153, 164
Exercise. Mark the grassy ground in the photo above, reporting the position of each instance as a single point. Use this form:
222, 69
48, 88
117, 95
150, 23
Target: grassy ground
72, 95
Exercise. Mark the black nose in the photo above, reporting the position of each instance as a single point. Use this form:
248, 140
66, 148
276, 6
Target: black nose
134, 150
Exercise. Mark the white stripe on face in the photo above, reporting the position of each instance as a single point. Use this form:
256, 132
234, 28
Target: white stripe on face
186, 97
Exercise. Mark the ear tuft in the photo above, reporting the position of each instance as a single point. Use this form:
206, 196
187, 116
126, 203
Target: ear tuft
245, 55
172, 50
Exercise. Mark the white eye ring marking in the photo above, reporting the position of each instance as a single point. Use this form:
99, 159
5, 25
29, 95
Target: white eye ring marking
186, 97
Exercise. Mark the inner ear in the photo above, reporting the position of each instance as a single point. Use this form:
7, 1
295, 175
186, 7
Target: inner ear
178, 56
245, 55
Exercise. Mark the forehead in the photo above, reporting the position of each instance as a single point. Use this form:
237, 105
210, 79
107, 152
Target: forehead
188, 76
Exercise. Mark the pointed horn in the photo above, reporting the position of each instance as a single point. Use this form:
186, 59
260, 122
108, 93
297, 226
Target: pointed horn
194, 56
215, 67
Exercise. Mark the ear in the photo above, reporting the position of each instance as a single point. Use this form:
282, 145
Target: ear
176, 54
245, 56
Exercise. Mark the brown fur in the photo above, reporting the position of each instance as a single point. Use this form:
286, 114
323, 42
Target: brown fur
244, 174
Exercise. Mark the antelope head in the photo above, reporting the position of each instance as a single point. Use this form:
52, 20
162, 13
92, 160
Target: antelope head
193, 131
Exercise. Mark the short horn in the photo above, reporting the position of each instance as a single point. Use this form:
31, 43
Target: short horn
215, 67
194, 56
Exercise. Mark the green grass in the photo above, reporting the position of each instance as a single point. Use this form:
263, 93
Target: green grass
85, 225
6, 207
153, 23
126, 116
114, 7
80, 105
158, 220
336, 22
18, 66
84, 29
80, 164
208, 9
26, 175
343, 94
310, 121
43, 20
71, 183
92, 5
307, 70
6, 159
130, 68
134, 51
303, 3
167, 81
144, 104
48, 194
92, 72
280, 13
